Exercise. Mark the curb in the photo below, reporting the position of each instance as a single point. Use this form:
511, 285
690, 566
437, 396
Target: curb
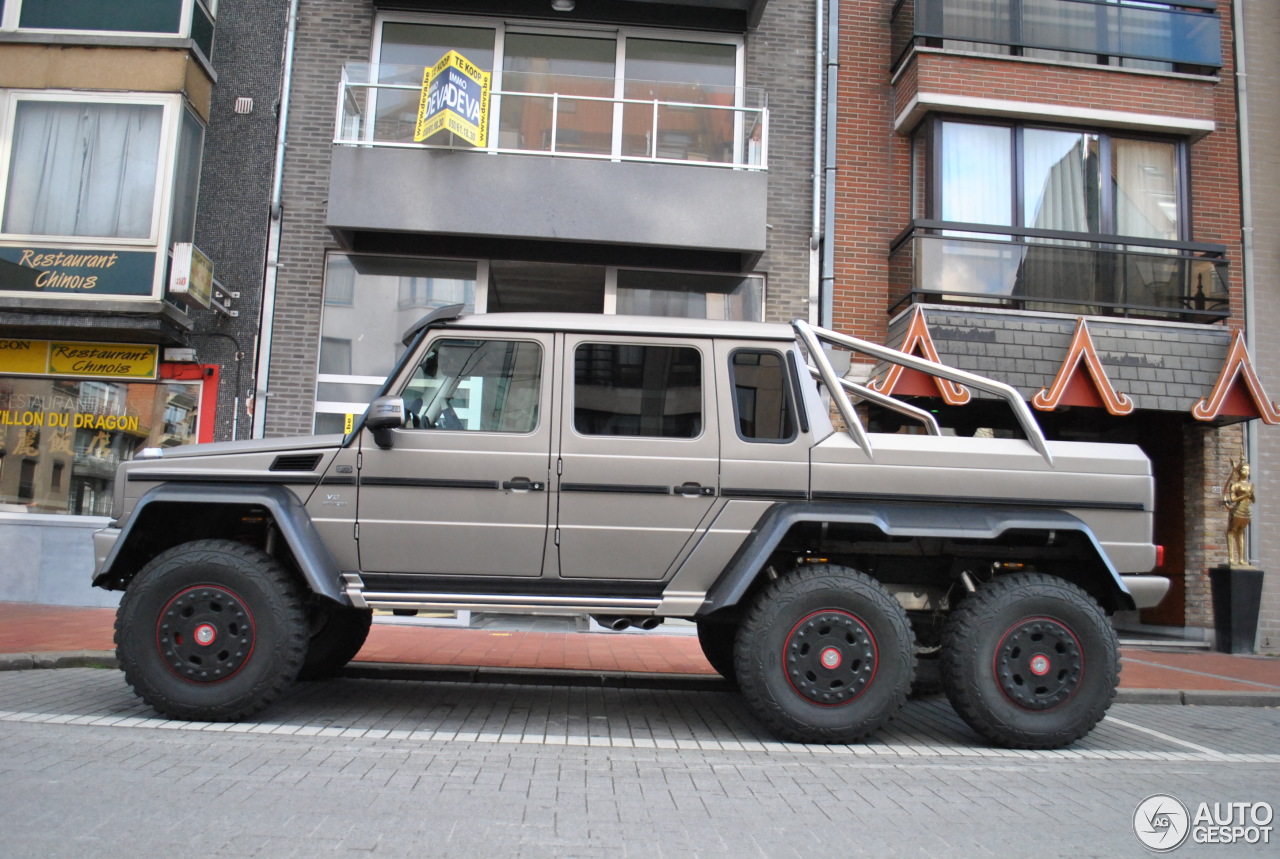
604, 679
59, 659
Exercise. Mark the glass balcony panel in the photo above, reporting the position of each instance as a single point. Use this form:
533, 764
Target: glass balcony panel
1063, 276
1183, 33
688, 122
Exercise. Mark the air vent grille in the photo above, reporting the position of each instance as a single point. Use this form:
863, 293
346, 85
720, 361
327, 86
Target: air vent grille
296, 462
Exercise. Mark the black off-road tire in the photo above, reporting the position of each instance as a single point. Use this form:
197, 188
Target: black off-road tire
825, 655
337, 634
718, 639
1030, 661
211, 630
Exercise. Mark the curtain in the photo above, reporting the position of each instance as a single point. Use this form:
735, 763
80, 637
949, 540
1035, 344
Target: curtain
83, 169
977, 174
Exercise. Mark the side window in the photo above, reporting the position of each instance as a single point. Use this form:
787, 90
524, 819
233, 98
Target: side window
476, 385
630, 390
761, 404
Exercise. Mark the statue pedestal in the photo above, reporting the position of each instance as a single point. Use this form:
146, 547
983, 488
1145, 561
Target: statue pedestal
1237, 597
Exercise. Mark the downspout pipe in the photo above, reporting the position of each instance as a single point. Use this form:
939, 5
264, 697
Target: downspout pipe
815, 232
1246, 218
832, 51
266, 320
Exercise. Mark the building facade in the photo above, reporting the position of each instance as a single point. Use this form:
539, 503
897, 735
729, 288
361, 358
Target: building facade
136, 148
1049, 192
641, 157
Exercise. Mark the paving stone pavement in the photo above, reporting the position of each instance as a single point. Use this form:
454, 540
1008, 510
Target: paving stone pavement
401, 768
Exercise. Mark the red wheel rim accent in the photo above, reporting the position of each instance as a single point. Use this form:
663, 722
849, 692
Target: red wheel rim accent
205, 634
830, 657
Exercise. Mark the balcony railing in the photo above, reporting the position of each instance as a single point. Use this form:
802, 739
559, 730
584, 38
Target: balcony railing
971, 264
1181, 32
566, 116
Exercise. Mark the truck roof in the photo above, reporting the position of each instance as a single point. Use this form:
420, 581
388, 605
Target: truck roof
596, 323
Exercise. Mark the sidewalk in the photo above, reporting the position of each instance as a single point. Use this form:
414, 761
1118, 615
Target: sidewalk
54, 636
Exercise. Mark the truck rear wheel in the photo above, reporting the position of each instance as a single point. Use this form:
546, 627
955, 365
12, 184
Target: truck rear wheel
337, 634
1030, 661
825, 655
211, 630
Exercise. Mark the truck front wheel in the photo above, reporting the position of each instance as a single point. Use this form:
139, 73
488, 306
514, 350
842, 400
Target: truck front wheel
211, 630
825, 655
1029, 661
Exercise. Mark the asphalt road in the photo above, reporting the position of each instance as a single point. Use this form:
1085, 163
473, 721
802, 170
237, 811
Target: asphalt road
406, 768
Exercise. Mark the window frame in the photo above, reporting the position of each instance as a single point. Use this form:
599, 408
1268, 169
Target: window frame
618, 34
704, 383
931, 132
788, 394
171, 106
12, 15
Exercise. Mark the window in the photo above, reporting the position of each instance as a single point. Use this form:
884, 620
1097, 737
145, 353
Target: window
84, 169
633, 390
760, 399
477, 386
368, 302
1069, 181
68, 437
186, 179
186, 18
694, 80
689, 295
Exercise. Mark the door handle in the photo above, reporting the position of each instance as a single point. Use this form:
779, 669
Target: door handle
694, 490
523, 484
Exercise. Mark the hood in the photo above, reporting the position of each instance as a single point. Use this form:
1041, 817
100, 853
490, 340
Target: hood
257, 445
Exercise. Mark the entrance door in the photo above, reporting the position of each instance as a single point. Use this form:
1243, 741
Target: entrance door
640, 454
463, 488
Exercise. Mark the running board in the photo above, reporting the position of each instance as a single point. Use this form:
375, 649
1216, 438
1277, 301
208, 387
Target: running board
353, 587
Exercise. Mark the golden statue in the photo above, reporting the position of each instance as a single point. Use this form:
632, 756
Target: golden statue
1238, 498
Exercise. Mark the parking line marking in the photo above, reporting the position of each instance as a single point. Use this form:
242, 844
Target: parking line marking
1168, 738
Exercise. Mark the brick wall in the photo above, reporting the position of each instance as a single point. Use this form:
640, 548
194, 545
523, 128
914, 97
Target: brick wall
780, 60
330, 33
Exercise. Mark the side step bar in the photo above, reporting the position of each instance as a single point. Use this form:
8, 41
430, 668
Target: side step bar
353, 587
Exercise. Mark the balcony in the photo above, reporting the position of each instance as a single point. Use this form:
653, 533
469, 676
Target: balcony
1185, 34
970, 264
568, 161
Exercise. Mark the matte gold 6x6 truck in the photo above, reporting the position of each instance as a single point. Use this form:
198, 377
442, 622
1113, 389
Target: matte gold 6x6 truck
638, 469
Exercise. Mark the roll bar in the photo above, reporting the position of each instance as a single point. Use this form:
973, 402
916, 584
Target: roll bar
812, 337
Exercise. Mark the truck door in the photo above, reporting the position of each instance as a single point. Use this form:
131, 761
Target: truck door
463, 488
639, 453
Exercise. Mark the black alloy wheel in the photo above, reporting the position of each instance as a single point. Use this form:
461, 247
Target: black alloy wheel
211, 630
1030, 661
825, 655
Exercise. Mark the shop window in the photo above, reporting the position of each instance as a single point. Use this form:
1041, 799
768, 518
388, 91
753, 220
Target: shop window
633, 390
62, 439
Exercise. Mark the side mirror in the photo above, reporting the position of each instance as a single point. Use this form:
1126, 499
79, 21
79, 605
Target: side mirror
385, 414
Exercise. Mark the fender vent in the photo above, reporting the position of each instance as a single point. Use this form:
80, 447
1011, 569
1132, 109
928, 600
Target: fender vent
297, 462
